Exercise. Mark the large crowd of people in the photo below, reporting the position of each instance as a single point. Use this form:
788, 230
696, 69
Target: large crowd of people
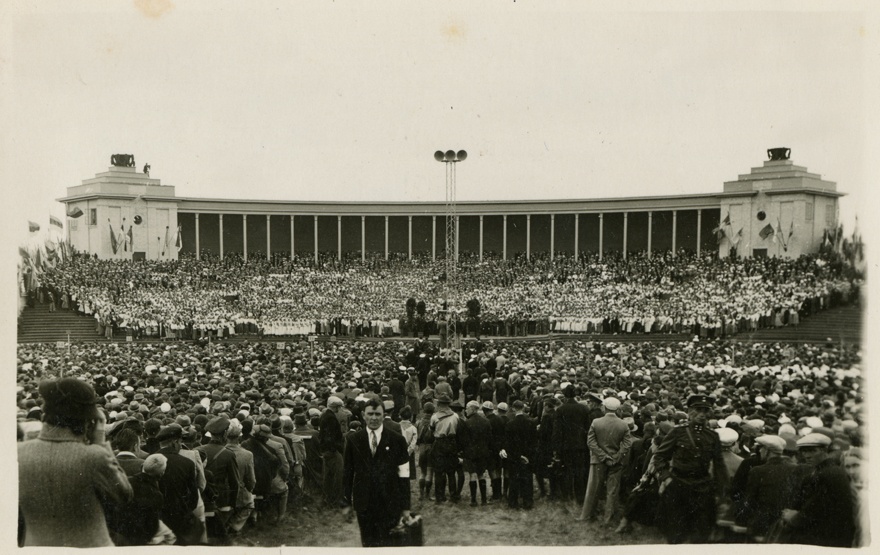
196, 442
662, 293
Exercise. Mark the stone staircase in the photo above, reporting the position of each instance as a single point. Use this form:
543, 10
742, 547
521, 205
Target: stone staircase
38, 325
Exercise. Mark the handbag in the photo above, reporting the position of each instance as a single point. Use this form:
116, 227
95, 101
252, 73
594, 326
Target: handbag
409, 533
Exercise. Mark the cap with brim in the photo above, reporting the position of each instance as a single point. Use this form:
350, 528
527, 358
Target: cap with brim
444, 399
814, 440
488, 405
774, 444
171, 431
217, 425
728, 436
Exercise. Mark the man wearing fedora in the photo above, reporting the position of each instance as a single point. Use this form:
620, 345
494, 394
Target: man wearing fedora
64, 472
693, 475
376, 478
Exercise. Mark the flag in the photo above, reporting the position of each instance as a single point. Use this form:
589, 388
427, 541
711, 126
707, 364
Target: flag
736, 238
33, 227
130, 240
165, 246
25, 255
113, 243
179, 242
74, 212
56, 222
123, 237
767, 231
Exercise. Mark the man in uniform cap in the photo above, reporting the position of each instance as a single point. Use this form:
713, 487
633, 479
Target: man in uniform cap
823, 514
223, 477
693, 474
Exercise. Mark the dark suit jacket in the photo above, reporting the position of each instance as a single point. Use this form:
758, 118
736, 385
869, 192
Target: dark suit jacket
521, 438
371, 482
571, 427
178, 487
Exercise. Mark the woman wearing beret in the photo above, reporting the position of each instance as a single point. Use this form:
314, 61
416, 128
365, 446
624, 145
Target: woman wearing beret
68, 470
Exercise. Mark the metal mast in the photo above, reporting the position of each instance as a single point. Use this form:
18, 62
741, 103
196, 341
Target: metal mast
450, 158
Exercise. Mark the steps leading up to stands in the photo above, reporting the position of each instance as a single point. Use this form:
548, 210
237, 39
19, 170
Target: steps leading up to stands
843, 323
37, 325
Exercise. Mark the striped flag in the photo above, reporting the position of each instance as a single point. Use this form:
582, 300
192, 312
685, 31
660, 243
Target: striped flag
178, 243
56, 222
113, 242
33, 227
74, 212
767, 231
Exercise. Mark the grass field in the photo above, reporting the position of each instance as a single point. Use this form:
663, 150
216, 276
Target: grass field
447, 524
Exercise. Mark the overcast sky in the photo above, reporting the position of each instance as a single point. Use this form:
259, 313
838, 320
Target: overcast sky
325, 101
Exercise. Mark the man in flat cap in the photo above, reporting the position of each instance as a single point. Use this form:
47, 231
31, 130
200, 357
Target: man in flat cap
693, 474
446, 450
771, 487
179, 488
609, 440
224, 480
823, 513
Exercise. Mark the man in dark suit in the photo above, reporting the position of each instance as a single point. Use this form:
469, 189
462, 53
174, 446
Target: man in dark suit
520, 449
376, 478
570, 444
179, 488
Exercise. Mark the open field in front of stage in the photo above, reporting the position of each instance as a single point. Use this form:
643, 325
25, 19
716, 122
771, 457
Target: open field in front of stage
548, 524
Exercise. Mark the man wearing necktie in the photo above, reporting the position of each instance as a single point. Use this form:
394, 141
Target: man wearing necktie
376, 478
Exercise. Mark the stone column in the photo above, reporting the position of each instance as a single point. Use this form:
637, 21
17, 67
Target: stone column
577, 220
292, 242
198, 253
528, 236
338, 237
650, 227
268, 237
363, 238
504, 239
244, 235
625, 230
433, 237
316, 238
674, 230
699, 228
386, 237
481, 237
221, 236
601, 235
409, 238
552, 235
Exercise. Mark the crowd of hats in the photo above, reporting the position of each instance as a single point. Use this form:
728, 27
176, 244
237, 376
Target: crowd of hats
212, 293
753, 386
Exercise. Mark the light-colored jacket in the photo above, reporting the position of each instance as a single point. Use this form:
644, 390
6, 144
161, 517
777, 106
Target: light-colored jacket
609, 440
59, 479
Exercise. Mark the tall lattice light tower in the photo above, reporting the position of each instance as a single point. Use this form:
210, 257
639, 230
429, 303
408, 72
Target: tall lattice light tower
450, 158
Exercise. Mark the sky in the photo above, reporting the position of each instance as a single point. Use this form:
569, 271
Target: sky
341, 100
